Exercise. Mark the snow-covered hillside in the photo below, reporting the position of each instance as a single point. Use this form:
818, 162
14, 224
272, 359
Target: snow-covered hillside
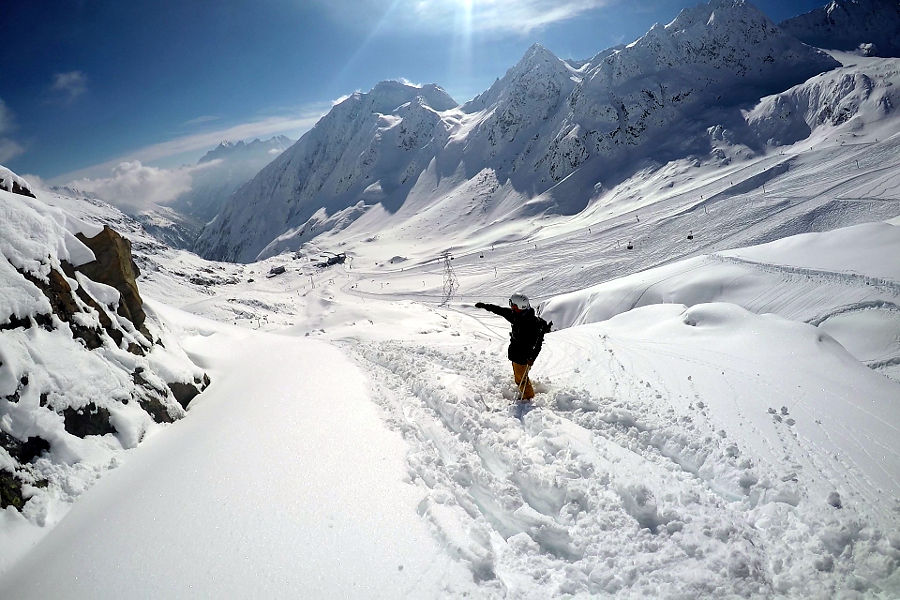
85, 373
370, 145
673, 450
547, 136
869, 26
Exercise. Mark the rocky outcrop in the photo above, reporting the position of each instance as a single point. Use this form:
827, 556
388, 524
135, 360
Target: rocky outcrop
115, 267
79, 356
184, 392
11, 182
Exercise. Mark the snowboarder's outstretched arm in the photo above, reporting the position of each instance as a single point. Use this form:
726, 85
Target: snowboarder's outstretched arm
506, 313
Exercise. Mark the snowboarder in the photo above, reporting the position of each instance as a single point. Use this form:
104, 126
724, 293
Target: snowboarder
525, 339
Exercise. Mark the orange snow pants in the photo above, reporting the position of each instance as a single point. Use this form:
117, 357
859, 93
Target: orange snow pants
520, 372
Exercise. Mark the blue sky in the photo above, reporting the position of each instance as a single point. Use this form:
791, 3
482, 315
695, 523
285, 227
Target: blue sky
88, 84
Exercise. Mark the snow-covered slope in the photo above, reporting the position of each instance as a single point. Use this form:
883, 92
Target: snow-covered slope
370, 145
717, 406
543, 122
870, 26
82, 377
854, 299
675, 450
862, 91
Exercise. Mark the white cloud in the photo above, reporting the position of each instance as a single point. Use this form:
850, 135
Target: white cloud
69, 85
9, 148
340, 99
190, 147
488, 16
35, 182
202, 119
134, 187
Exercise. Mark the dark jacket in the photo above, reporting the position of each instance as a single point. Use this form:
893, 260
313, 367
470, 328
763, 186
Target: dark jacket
527, 333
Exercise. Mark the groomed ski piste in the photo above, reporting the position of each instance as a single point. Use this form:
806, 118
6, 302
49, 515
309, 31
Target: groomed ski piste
715, 418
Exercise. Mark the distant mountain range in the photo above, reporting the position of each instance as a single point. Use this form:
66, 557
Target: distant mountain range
549, 136
229, 165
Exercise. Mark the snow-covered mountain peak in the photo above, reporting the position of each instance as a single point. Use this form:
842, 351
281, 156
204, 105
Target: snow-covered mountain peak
541, 122
537, 54
872, 26
538, 70
388, 95
728, 38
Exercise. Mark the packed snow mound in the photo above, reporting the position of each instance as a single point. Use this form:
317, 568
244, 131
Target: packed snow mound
869, 26
845, 281
79, 382
863, 254
869, 250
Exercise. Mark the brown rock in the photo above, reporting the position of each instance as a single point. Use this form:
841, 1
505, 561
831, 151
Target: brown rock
10, 490
115, 267
183, 392
88, 420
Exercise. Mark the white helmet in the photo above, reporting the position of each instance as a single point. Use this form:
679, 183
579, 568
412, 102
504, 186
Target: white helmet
520, 301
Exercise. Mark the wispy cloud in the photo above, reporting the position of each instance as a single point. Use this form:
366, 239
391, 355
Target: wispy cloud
191, 147
69, 86
492, 16
9, 148
202, 119
135, 187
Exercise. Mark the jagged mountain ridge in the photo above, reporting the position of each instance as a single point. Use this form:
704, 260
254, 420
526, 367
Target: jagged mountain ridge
545, 130
343, 153
872, 26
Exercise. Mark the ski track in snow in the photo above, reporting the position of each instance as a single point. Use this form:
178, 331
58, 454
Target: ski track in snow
594, 493
851, 279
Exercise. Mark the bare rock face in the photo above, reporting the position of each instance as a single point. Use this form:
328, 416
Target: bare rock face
184, 392
115, 267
